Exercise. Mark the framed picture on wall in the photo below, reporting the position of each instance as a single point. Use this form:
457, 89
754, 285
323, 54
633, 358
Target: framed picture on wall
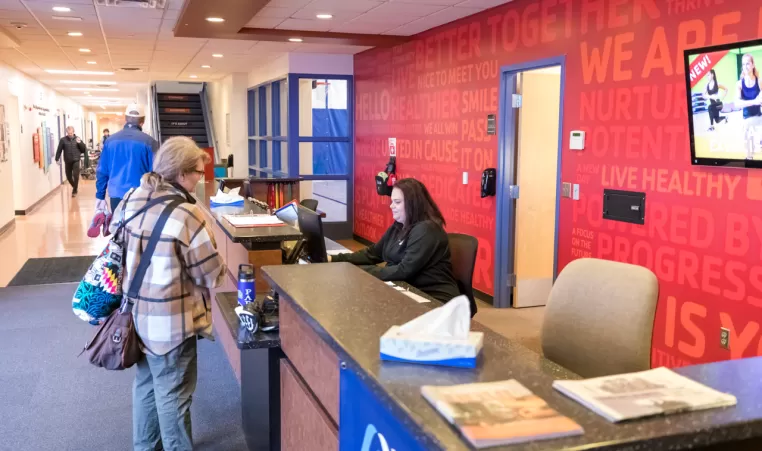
36, 146
4, 138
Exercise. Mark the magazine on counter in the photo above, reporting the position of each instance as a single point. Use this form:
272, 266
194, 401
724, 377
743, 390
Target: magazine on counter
498, 413
659, 391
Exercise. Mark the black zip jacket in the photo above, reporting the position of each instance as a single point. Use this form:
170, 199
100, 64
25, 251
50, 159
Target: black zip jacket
421, 258
71, 149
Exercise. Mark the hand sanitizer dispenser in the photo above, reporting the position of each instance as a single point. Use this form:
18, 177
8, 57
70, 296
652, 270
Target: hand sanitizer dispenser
577, 140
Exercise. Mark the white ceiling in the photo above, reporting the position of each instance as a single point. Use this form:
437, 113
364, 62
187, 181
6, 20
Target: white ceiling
120, 37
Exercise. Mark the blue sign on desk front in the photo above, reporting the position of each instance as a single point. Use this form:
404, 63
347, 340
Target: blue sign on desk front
365, 423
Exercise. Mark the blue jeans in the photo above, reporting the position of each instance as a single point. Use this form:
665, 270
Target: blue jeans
115, 203
161, 400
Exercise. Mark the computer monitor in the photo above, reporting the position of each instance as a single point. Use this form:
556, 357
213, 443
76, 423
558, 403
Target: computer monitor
311, 226
288, 214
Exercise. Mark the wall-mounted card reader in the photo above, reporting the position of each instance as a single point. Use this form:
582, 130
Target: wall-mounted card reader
577, 140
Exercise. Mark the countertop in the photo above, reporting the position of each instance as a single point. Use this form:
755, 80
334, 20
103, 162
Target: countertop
246, 235
227, 302
350, 310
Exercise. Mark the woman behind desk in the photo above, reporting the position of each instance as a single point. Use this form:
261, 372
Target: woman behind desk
415, 248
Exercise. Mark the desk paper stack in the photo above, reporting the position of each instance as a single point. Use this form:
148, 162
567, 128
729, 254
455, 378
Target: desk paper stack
253, 220
439, 337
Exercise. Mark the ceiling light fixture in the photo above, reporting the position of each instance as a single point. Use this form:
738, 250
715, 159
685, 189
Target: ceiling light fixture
296, 40
84, 50
86, 82
217, 55
77, 72
325, 16
215, 19
61, 9
194, 76
87, 90
206, 66
91, 62
74, 33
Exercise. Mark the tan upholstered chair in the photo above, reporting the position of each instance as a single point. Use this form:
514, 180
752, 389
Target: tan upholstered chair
599, 318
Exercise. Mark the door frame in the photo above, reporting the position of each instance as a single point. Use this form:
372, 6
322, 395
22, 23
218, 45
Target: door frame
506, 170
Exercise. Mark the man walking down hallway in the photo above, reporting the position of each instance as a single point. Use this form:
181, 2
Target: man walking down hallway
72, 148
127, 155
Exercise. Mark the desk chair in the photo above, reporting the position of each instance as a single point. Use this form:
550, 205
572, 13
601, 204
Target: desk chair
599, 318
309, 203
463, 256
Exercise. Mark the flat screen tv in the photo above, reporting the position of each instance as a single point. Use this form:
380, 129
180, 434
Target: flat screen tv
725, 104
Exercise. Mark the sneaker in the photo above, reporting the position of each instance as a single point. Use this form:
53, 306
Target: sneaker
95, 226
73, 194
107, 224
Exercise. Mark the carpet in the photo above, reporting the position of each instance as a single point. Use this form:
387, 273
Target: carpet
51, 400
46, 271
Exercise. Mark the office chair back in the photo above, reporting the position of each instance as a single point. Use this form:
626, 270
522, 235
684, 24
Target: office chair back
463, 256
310, 203
599, 318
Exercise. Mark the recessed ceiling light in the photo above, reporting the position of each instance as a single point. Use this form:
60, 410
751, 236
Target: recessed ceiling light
61, 9
215, 19
84, 50
77, 72
74, 33
194, 76
87, 82
296, 39
217, 55
325, 16
206, 66
91, 62
87, 90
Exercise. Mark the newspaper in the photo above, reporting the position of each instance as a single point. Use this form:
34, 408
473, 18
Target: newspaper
659, 391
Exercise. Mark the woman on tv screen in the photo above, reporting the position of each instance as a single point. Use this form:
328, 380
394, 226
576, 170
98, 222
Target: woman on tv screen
749, 94
712, 93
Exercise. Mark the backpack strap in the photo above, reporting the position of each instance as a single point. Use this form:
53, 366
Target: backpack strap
145, 258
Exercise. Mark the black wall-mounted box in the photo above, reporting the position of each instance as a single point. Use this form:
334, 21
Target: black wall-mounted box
624, 206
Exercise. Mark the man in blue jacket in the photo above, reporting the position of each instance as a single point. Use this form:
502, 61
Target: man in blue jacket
126, 156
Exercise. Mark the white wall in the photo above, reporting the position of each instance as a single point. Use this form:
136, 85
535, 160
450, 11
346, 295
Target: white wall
21, 176
278, 68
321, 63
177, 87
229, 97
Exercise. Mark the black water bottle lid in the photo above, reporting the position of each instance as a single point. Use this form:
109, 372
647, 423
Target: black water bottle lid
245, 269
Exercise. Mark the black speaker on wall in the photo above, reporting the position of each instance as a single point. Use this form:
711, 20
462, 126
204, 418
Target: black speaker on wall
624, 206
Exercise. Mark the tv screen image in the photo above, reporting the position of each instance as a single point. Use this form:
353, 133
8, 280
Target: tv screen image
725, 104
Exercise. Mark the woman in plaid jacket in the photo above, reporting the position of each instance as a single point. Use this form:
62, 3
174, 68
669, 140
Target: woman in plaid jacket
173, 306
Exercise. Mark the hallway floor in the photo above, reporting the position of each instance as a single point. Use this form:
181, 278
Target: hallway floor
58, 228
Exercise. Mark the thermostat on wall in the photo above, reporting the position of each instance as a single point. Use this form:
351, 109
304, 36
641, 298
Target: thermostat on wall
577, 140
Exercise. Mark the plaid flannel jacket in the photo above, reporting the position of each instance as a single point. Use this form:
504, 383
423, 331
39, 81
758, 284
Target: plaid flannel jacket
173, 301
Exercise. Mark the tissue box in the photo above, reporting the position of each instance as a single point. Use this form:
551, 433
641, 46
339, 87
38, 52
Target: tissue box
431, 350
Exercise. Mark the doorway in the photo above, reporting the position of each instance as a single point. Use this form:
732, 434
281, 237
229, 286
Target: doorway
529, 184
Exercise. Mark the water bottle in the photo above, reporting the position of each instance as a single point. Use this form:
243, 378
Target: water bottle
246, 289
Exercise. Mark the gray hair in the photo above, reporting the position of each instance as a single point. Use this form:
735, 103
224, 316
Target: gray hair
177, 156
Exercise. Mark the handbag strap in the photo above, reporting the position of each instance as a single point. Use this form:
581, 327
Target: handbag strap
145, 207
145, 258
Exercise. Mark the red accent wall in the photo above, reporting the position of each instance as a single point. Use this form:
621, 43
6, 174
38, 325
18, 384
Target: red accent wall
625, 87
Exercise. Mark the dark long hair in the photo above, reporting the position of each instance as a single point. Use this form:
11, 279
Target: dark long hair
419, 206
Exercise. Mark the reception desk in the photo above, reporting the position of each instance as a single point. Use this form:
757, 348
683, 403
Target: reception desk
333, 386
258, 246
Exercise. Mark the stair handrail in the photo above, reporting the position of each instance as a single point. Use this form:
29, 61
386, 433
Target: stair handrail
155, 113
208, 121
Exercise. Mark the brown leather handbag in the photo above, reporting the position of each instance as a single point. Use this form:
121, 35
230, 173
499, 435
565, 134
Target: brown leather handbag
116, 344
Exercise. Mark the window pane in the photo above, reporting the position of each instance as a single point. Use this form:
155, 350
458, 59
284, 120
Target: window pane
323, 158
323, 108
269, 129
278, 157
252, 152
331, 196
263, 148
254, 112
284, 108
262, 118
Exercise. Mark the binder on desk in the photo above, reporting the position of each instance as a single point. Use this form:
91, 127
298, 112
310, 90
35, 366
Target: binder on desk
253, 220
